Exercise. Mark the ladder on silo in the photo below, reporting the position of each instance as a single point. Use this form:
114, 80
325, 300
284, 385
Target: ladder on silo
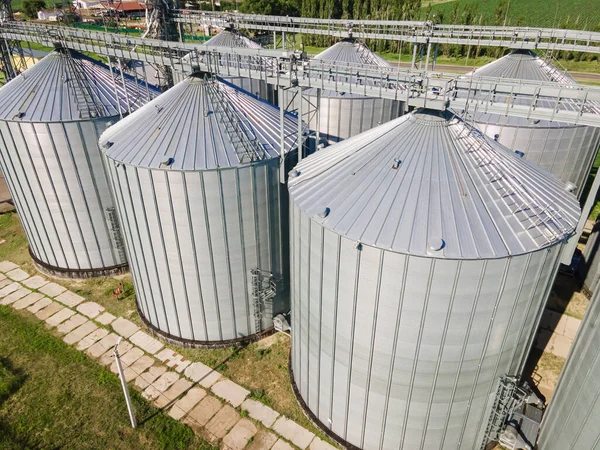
244, 141
115, 232
88, 103
508, 398
263, 291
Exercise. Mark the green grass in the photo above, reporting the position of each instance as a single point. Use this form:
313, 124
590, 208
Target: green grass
580, 14
59, 398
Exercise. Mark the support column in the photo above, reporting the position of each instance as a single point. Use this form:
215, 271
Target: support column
281, 134
274, 40
571, 245
318, 120
300, 128
414, 58
427, 58
435, 53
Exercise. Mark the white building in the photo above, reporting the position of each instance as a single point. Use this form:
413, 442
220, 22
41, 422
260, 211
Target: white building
51, 15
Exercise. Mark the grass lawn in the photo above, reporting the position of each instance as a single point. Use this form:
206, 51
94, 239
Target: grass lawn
269, 357
53, 396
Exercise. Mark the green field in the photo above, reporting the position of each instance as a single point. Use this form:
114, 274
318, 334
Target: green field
54, 397
579, 14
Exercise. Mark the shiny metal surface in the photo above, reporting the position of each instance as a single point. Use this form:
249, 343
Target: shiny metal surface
421, 258
235, 39
565, 150
197, 215
571, 420
51, 118
342, 115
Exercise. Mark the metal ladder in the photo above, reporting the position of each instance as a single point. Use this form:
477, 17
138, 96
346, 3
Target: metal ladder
115, 232
244, 141
505, 403
263, 291
88, 102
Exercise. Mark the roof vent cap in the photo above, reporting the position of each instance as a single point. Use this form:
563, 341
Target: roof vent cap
324, 213
570, 187
167, 164
436, 244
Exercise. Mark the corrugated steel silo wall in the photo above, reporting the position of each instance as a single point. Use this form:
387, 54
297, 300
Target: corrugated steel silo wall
193, 237
259, 88
572, 420
567, 152
57, 180
341, 118
402, 352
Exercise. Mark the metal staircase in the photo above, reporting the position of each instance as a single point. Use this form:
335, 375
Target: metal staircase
263, 291
246, 144
88, 102
115, 232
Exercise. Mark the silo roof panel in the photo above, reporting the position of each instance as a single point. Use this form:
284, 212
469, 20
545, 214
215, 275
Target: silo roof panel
527, 66
407, 184
228, 38
65, 86
201, 124
353, 52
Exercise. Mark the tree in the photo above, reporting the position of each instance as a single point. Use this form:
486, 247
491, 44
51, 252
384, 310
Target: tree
271, 7
31, 8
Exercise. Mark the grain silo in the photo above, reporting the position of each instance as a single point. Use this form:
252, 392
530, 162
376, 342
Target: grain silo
572, 417
342, 114
422, 254
232, 38
565, 150
50, 119
196, 179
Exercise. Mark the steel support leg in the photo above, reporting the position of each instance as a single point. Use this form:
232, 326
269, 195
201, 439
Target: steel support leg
281, 134
300, 128
427, 58
414, 58
318, 120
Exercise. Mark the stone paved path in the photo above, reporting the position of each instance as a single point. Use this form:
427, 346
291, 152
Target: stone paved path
217, 408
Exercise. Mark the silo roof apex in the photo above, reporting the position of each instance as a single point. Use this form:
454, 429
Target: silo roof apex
68, 86
202, 124
430, 175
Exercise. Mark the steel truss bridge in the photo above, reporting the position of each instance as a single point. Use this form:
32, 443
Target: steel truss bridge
534, 100
576, 104
548, 39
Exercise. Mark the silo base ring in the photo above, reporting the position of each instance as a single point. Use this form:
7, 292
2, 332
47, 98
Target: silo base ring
60, 272
189, 343
311, 416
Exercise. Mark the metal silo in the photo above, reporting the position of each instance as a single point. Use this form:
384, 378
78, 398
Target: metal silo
422, 254
50, 119
196, 179
572, 418
232, 38
340, 114
565, 150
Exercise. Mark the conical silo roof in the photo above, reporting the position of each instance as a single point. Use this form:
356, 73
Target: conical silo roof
347, 51
523, 65
351, 51
428, 184
231, 38
199, 124
68, 86
527, 66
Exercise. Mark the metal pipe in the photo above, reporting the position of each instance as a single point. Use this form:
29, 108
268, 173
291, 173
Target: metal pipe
300, 127
281, 134
124, 384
